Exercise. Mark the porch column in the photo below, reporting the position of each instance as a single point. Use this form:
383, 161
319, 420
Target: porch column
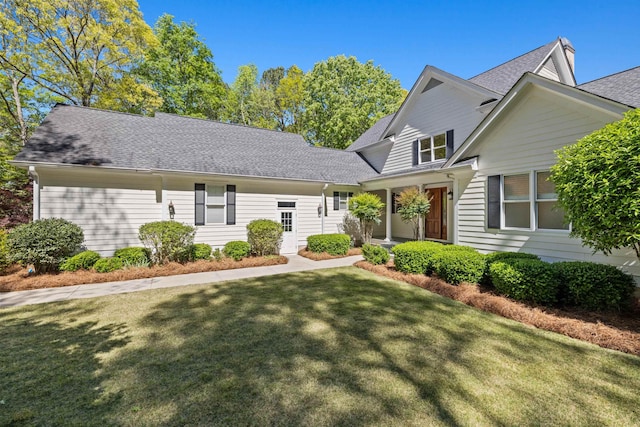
388, 218
421, 222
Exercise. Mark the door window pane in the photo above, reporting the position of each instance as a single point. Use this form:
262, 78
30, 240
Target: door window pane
517, 215
286, 219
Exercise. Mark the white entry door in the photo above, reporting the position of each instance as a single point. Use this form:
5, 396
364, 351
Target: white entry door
287, 217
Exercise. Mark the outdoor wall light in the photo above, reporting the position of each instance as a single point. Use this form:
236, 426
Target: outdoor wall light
319, 210
450, 194
172, 210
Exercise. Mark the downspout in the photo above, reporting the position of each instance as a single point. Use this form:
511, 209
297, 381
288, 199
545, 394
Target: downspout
36, 192
322, 207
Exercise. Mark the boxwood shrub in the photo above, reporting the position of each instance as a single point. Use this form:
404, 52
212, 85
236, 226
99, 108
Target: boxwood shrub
82, 261
107, 265
133, 256
167, 241
264, 236
525, 280
237, 249
416, 257
333, 244
456, 264
375, 254
501, 256
200, 251
595, 286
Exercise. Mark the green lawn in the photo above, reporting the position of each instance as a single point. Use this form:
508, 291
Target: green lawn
332, 347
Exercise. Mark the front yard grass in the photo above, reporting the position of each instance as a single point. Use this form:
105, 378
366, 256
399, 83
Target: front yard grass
328, 347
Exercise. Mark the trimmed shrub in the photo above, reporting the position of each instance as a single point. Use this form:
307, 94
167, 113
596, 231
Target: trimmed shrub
525, 280
4, 250
333, 244
200, 251
133, 256
107, 265
237, 249
217, 254
501, 256
416, 257
595, 286
82, 261
264, 236
45, 243
167, 241
375, 254
457, 264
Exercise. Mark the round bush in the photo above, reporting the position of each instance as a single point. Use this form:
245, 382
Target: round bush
82, 261
375, 254
167, 241
333, 244
237, 250
133, 256
525, 280
501, 256
595, 286
416, 257
264, 236
200, 251
107, 265
457, 264
45, 243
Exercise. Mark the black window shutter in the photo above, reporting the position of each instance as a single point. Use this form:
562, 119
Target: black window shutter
414, 153
449, 143
393, 203
493, 201
200, 209
350, 195
336, 201
231, 204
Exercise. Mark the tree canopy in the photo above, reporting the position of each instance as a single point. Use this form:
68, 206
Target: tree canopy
344, 97
598, 184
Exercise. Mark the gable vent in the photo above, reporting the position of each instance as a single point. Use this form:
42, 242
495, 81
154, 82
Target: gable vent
432, 83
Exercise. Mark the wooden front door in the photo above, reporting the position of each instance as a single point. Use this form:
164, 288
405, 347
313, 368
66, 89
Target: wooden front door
435, 222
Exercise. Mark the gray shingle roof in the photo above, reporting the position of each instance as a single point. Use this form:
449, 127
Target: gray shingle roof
371, 135
502, 78
623, 87
88, 136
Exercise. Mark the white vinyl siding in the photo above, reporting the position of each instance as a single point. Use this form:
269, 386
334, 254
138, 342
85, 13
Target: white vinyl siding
549, 70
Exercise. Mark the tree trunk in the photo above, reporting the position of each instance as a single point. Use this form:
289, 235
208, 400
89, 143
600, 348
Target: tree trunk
15, 83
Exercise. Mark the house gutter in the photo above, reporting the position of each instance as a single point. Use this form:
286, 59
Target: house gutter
322, 207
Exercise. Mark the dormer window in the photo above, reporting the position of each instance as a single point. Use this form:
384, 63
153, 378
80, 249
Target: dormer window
433, 148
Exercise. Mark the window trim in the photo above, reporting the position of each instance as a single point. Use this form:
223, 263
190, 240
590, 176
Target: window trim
432, 148
337, 196
223, 205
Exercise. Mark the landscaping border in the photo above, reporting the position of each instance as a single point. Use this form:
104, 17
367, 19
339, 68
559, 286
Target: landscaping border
323, 256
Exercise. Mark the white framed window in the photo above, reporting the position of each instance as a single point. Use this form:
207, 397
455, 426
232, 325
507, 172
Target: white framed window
516, 201
549, 215
341, 200
215, 204
432, 148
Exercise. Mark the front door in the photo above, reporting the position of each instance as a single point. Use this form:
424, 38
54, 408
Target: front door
435, 222
287, 217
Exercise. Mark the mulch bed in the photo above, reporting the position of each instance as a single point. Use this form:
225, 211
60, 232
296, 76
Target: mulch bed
322, 256
18, 279
616, 331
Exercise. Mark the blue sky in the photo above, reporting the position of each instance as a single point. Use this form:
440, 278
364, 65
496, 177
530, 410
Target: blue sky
463, 37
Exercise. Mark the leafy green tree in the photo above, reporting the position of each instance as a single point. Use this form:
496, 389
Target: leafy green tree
413, 205
238, 106
290, 97
367, 207
597, 181
345, 97
181, 70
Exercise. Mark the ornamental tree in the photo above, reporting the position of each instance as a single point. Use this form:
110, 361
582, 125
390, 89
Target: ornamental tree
597, 181
413, 205
367, 207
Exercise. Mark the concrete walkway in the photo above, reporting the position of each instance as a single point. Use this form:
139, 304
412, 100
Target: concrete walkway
39, 296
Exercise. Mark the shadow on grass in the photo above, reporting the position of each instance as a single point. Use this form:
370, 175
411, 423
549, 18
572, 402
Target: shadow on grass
343, 348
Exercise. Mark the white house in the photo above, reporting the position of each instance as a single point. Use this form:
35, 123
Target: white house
481, 147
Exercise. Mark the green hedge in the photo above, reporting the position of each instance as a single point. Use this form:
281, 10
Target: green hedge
416, 257
107, 265
525, 280
82, 261
200, 251
456, 264
264, 236
237, 250
333, 244
375, 254
133, 256
167, 241
502, 256
4, 251
595, 286
45, 243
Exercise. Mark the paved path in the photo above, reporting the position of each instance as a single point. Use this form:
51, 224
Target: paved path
39, 296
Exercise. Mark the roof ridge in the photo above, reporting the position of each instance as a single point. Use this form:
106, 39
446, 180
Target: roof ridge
609, 75
102, 110
517, 57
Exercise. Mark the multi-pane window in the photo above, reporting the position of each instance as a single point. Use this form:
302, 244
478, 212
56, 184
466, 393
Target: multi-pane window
549, 215
286, 219
516, 200
215, 204
433, 148
344, 200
